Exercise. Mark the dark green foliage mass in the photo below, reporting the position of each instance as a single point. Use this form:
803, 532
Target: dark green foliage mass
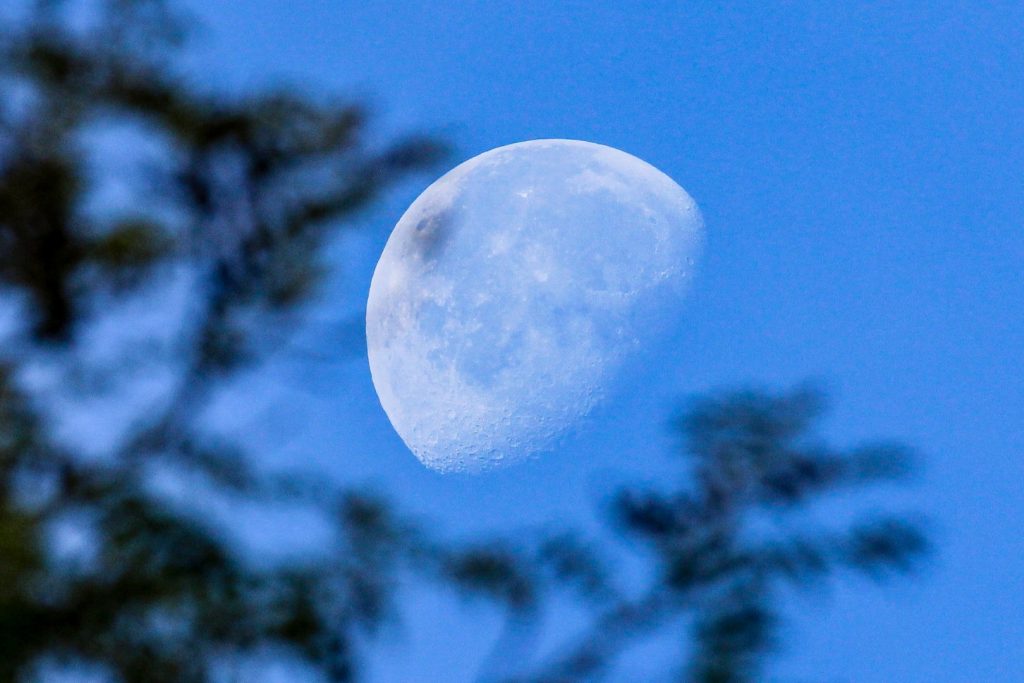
244, 197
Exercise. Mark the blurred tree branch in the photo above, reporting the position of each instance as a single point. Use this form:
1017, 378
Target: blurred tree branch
723, 544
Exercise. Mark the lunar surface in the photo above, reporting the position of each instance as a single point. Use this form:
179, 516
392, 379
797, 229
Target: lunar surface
512, 291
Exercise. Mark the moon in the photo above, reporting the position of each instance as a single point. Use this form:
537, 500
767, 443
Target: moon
512, 291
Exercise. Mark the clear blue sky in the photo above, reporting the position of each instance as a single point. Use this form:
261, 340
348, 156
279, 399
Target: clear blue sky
860, 167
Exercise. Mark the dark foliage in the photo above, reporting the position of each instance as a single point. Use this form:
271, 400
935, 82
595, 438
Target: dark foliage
245, 196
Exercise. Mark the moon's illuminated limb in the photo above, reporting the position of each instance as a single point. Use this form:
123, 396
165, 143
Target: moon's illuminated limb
511, 290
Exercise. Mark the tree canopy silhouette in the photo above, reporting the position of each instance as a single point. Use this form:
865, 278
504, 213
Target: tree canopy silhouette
237, 206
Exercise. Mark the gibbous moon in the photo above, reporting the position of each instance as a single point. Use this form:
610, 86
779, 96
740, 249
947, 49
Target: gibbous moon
512, 291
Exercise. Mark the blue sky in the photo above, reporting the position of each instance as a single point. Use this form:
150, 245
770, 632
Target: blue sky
860, 171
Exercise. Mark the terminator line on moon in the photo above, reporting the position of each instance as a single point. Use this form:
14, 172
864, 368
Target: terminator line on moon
513, 289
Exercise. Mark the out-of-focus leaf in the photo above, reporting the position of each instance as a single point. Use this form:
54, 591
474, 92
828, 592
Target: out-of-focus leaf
574, 562
730, 636
884, 545
126, 252
494, 572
